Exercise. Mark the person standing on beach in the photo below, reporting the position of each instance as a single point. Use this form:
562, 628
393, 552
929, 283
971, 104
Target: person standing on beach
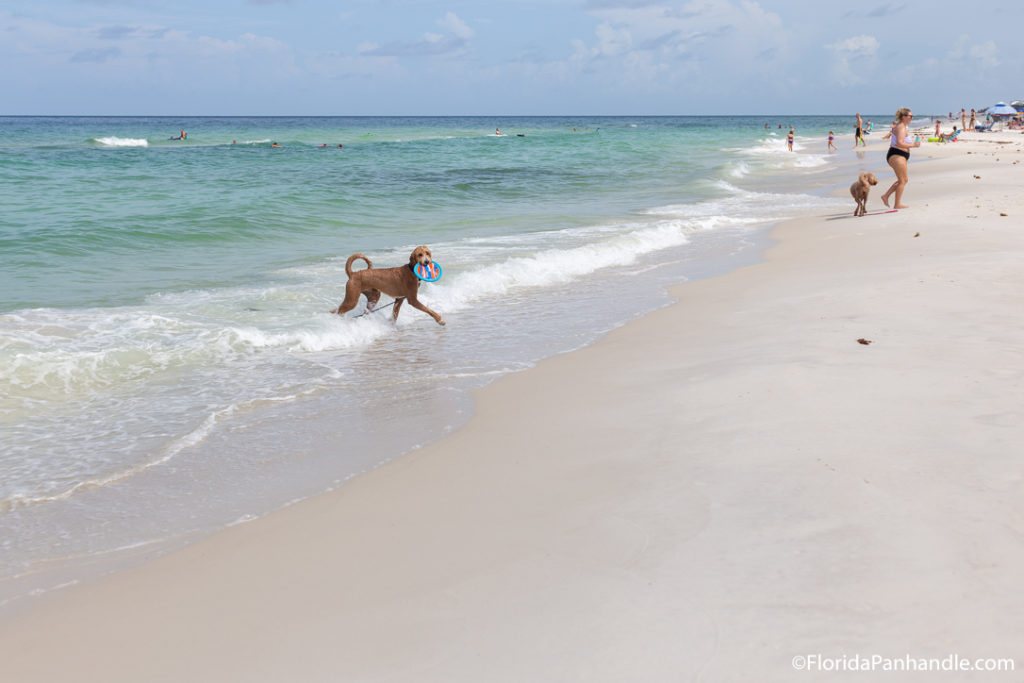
832, 141
789, 140
858, 137
898, 157
974, 119
963, 119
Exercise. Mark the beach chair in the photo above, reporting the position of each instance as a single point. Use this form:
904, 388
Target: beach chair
983, 129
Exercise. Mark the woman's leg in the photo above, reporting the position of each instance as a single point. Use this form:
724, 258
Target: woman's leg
899, 166
902, 178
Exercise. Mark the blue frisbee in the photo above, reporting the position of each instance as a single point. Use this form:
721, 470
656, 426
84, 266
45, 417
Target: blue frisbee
428, 272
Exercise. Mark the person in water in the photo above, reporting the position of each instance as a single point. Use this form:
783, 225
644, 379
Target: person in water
898, 157
789, 140
275, 145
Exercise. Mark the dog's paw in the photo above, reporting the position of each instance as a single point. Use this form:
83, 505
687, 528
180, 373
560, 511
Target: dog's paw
441, 322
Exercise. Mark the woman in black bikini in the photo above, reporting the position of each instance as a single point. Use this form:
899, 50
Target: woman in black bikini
898, 157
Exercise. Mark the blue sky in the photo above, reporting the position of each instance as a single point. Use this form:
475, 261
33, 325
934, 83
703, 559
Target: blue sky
509, 57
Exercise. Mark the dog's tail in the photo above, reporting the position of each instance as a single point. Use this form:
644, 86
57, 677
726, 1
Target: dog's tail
351, 260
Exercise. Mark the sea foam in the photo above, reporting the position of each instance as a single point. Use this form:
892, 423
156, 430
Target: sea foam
122, 142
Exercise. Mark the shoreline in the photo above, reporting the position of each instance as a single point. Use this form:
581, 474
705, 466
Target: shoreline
708, 490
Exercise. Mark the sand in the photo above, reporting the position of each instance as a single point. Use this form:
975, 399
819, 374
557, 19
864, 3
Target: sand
710, 491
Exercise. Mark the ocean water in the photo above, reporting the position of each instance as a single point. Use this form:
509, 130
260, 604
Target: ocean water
168, 365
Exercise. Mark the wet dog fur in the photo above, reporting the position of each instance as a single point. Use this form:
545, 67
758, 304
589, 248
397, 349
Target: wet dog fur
400, 282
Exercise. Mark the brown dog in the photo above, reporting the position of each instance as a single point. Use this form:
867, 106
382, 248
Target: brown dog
860, 190
400, 282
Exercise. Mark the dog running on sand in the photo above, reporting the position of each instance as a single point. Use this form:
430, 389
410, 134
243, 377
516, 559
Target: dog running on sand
860, 190
400, 282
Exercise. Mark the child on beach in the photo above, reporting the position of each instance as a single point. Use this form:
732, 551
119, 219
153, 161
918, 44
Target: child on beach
831, 141
789, 140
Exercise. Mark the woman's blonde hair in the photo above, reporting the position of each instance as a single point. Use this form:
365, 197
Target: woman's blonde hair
901, 112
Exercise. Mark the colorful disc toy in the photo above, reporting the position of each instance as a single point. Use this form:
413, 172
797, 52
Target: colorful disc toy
428, 272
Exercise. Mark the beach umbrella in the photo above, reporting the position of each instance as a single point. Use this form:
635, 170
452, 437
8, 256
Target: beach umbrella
1001, 109
1018, 105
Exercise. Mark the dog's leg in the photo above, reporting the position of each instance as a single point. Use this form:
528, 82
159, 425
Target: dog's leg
351, 299
372, 297
415, 303
398, 304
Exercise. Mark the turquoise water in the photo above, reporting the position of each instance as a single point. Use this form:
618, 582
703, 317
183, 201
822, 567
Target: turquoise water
168, 364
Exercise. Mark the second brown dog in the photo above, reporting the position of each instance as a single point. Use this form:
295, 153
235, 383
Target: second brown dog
860, 190
400, 282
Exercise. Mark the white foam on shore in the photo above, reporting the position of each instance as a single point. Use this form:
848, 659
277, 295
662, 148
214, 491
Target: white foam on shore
122, 142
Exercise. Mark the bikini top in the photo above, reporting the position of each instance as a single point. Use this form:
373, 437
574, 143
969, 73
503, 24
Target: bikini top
892, 139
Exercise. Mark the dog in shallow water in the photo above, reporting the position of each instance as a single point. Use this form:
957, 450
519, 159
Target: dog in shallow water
860, 190
400, 282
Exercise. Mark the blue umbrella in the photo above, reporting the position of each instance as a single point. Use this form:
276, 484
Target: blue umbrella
1002, 109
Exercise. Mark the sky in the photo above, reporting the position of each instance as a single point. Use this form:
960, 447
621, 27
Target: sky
505, 57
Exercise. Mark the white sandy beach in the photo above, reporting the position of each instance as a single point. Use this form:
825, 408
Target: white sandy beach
707, 493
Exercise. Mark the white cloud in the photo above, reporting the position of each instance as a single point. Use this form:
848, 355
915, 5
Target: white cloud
855, 59
981, 55
456, 26
663, 47
454, 42
856, 47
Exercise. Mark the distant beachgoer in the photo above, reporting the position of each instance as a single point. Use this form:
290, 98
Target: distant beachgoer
858, 137
974, 120
497, 131
789, 140
275, 145
963, 119
938, 128
340, 147
898, 157
234, 142
832, 141
868, 129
